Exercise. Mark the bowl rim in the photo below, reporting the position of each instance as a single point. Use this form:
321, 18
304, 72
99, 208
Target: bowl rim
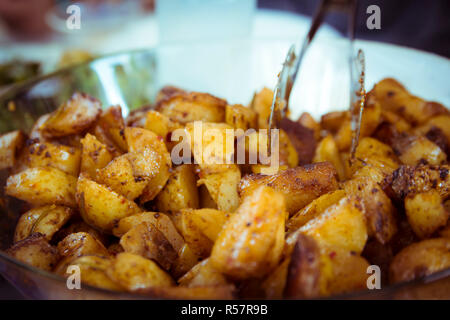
15, 88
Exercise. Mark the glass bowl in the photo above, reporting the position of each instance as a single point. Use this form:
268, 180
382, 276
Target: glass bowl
131, 79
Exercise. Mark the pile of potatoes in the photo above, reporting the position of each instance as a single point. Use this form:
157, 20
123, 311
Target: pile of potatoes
103, 193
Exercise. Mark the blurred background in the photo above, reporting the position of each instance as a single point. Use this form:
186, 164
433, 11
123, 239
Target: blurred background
41, 36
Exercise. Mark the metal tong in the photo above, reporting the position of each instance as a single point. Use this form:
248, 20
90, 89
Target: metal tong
291, 65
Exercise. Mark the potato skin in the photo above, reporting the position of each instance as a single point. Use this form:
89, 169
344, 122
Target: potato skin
35, 251
100, 207
147, 241
251, 242
43, 186
420, 259
46, 220
72, 117
299, 185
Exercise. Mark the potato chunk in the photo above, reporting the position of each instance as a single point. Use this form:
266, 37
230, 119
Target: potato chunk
95, 155
299, 185
147, 241
42, 186
240, 117
420, 259
72, 117
134, 272
180, 191
48, 154
202, 274
100, 207
193, 106
35, 251
425, 213
251, 242
341, 225
327, 151
46, 220
10, 143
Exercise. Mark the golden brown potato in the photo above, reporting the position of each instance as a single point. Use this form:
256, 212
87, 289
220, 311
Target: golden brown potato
222, 186
374, 152
287, 153
162, 126
161, 221
394, 97
185, 262
180, 191
76, 225
42, 186
134, 272
10, 144
202, 275
304, 273
149, 157
147, 241
425, 213
332, 121
379, 212
193, 106
420, 259
72, 117
341, 225
93, 272
113, 125
299, 185
251, 242
411, 180
421, 150
119, 176
48, 154
371, 118
200, 228
261, 103
314, 209
343, 136
240, 117
275, 282
46, 220
95, 155
100, 207
327, 151
35, 251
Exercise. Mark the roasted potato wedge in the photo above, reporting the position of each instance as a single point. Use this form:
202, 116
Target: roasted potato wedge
162, 126
425, 213
180, 191
134, 272
100, 207
46, 220
113, 125
10, 144
147, 241
251, 242
35, 251
48, 154
161, 221
192, 106
261, 103
95, 155
200, 228
93, 272
202, 275
43, 186
327, 151
299, 185
420, 259
240, 117
72, 117
342, 225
